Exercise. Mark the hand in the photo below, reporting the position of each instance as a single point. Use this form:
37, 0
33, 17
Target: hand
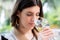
46, 33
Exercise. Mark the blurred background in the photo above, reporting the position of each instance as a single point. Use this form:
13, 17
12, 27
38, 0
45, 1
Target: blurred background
51, 9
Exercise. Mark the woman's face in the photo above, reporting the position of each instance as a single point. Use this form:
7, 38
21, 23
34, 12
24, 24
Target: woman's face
27, 17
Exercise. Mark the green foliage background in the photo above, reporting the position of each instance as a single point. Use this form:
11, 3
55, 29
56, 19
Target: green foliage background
52, 16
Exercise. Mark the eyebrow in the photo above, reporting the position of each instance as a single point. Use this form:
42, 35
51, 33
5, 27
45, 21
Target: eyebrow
32, 12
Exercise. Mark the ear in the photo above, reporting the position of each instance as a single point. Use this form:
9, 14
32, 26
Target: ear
18, 13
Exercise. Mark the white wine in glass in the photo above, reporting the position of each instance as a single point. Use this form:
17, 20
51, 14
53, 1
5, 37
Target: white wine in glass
41, 23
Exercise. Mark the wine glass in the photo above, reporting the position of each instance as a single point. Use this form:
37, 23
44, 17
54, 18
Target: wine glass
41, 23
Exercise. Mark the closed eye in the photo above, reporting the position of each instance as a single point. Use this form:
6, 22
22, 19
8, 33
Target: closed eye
29, 14
37, 14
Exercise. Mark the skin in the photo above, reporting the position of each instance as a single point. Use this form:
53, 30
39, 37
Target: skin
27, 17
26, 24
46, 33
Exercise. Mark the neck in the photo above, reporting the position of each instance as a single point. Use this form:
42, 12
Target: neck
23, 33
23, 30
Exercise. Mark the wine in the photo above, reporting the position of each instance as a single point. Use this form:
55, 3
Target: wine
41, 23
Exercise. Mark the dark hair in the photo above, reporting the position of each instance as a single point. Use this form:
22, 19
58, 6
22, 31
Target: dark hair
22, 4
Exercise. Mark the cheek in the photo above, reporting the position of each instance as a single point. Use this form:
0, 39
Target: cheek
24, 21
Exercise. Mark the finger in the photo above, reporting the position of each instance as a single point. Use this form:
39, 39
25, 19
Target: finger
47, 31
48, 34
46, 28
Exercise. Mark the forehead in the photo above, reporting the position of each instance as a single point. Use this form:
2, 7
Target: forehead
32, 9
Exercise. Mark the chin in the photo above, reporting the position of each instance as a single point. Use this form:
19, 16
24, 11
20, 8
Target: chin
31, 27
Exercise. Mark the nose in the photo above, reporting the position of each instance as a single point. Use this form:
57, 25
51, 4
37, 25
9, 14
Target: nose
33, 19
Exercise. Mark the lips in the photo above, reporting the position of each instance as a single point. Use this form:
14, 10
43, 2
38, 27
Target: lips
31, 23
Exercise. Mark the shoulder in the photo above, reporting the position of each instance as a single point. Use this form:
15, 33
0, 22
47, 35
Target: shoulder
0, 37
3, 38
7, 36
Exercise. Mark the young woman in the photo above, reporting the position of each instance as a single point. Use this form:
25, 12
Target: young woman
22, 19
